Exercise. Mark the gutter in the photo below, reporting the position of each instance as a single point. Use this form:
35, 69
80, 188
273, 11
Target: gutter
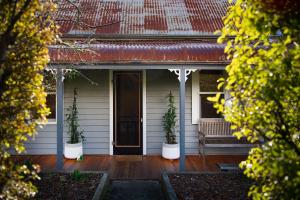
206, 65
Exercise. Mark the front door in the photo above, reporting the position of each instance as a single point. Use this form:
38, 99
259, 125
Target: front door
128, 138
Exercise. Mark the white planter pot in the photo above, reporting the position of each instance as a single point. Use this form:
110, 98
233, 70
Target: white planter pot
73, 151
170, 151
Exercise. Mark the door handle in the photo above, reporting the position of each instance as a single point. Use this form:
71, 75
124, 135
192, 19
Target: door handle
141, 120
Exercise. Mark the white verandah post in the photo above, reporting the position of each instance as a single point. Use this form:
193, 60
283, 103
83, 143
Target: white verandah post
182, 120
182, 77
59, 118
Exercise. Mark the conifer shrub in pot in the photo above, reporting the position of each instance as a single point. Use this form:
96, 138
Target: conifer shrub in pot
170, 148
73, 146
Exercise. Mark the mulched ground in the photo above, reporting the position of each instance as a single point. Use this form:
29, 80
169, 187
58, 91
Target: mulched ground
64, 186
217, 186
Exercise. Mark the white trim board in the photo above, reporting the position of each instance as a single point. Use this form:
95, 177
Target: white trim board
195, 97
111, 113
144, 114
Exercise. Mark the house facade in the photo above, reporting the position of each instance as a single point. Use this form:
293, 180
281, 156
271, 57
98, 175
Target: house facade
130, 54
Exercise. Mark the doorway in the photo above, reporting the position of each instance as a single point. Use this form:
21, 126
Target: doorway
127, 137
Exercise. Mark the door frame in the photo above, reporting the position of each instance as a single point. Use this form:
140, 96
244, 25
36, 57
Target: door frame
111, 111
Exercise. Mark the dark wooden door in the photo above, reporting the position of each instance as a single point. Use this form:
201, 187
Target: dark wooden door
128, 138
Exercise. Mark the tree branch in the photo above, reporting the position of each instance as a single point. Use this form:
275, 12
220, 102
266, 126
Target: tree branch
7, 38
80, 23
285, 135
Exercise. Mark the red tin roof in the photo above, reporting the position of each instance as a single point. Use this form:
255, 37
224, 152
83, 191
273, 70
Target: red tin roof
144, 52
141, 17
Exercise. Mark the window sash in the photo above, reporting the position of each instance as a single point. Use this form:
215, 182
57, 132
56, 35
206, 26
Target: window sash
196, 104
52, 119
201, 101
206, 93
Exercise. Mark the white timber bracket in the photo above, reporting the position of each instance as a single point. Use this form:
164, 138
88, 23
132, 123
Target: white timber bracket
186, 72
54, 71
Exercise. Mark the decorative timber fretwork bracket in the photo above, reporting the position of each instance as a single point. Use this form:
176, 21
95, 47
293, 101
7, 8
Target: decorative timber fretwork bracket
178, 71
54, 72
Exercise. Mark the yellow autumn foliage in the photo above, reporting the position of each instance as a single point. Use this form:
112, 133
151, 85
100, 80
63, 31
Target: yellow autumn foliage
26, 29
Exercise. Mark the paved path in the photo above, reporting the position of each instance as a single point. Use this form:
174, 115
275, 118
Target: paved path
135, 190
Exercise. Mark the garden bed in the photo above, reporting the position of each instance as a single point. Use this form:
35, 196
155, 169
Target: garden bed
76, 185
210, 186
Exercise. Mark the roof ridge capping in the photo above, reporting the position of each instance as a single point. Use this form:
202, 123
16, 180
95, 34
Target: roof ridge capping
199, 36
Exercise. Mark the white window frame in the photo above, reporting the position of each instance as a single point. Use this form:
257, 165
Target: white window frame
196, 103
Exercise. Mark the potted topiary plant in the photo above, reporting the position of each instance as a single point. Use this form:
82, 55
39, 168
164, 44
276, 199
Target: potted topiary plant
73, 147
170, 148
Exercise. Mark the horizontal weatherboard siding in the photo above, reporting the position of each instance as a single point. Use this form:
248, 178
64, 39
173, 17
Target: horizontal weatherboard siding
93, 113
159, 84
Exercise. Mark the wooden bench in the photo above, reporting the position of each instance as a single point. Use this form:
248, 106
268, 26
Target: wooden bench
219, 130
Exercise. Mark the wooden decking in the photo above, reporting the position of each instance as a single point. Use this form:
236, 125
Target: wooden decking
132, 167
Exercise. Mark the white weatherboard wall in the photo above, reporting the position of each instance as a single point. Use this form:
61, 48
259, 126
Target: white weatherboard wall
93, 108
159, 84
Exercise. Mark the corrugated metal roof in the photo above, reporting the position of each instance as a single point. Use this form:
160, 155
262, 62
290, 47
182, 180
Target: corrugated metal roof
144, 52
141, 17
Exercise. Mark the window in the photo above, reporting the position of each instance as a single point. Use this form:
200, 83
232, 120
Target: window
51, 104
208, 88
204, 85
50, 89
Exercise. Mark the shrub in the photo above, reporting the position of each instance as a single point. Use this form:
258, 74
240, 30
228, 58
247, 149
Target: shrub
26, 30
169, 121
75, 134
264, 80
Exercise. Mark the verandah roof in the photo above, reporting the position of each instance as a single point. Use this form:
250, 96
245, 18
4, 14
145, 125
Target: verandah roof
139, 52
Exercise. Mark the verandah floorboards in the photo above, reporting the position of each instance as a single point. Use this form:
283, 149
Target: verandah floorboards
148, 167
